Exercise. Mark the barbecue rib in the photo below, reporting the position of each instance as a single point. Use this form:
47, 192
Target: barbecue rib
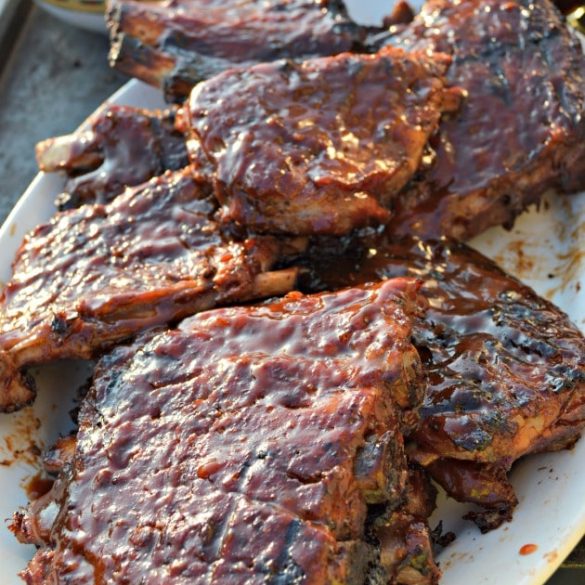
176, 45
246, 446
316, 147
117, 147
506, 369
521, 129
99, 274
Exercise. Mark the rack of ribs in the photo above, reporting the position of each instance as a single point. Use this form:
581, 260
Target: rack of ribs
320, 146
248, 445
175, 45
115, 148
505, 368
519, 132
96, 275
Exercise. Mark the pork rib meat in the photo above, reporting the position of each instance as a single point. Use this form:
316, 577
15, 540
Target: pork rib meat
175, 45
115, 148
99, 274
521, 128
317, 147
247, 445
506, 368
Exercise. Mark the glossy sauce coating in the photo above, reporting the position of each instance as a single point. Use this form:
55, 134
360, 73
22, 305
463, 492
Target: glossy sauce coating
99, 274
521, 128
505, 368
242, 447
177, 44
316, 147
117, 147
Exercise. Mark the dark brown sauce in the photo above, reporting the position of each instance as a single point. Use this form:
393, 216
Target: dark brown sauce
225, 445
99, 274
501, 362
38, 485
316, 147
187, 41
134, 146
492, 160
491, 346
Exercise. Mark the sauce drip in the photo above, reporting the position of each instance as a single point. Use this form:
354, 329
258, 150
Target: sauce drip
37, 486
528, 549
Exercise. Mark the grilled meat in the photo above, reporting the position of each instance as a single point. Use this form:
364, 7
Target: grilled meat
117, 147
175, 45
99, 274
247, 445
403, 535
521, 129
506, 368
316, 147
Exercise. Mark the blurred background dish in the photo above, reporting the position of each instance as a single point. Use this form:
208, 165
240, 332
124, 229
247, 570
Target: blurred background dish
88, 14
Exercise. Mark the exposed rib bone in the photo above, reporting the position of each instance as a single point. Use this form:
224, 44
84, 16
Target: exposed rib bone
269, 284
97, 275
174, 47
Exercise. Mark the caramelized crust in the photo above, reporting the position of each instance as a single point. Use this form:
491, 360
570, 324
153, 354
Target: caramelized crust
521, 129
97, 275
404, 536
117, 147
175, 45
244, 446
316, 147
506, 368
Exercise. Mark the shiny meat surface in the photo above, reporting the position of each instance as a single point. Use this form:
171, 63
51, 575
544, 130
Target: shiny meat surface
521, 130
117, 147
506, 368
246, 446
316, 147
99, 274
175, 45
